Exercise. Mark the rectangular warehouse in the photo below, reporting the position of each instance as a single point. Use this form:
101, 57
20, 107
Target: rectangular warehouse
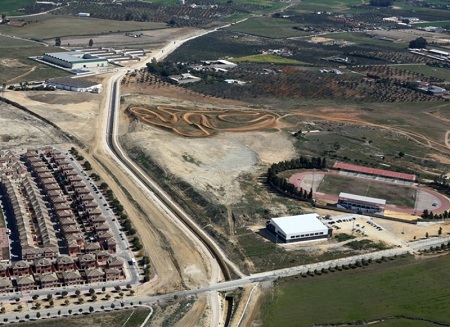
299, 228
361, 204
75, 59
74, 84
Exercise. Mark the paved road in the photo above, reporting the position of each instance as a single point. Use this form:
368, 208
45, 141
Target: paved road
113, 101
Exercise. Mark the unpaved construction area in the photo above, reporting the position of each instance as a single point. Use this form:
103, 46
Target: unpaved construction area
19, 129
72, 112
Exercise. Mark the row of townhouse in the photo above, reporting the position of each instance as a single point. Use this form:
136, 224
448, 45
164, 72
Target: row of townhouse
32, 218
61, 199
65, 270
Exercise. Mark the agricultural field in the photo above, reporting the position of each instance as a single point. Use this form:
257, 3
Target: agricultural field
393, 194
428, 71
270, 59
9, 7
435, 24
173, 15
404, 286
326, 5
268, 27
51, 26
364, 54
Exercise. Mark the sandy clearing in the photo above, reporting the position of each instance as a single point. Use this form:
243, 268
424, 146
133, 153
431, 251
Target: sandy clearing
213, 164
196, 315
72, 112
407, 232
19, 129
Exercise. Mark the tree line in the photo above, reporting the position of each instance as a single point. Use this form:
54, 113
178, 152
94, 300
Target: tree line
282, 185
381, 3
430, 215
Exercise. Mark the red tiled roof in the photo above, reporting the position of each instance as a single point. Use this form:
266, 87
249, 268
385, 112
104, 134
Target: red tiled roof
374, 171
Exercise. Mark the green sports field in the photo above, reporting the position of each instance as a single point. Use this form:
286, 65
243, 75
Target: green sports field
401, 287
393, 194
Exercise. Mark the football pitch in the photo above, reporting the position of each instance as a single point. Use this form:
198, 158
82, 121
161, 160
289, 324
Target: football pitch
393, 194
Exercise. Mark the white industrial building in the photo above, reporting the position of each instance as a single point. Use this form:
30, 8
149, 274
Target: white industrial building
299, 228
75, 59
74, 84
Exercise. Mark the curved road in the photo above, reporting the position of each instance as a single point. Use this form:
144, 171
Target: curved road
111, 145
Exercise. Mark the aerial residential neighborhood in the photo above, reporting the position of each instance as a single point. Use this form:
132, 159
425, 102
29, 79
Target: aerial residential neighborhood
224, 163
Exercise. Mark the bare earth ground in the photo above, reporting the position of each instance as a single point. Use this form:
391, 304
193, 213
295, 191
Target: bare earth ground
18, 129
213, 164
72, 112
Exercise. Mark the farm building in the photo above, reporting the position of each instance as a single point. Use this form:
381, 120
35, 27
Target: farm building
184, 78
361, 204
299, 228
74, 84
373, 172
75, 59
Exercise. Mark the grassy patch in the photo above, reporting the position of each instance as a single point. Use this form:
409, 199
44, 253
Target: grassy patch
267, 27
343, 237
266, 255
366, 245
50, 26
393, 194
271, 59
116, 318
402, 286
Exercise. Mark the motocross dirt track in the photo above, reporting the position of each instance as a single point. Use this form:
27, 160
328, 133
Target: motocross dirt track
201, 123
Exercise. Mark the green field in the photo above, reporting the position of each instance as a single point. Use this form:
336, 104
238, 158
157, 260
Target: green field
51, 26
361, 39
326, 5
14, 61
393, 194
270, 59
266, 255
400, 287
9, 7
437, 72
116, 318
268, 27
435, 24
